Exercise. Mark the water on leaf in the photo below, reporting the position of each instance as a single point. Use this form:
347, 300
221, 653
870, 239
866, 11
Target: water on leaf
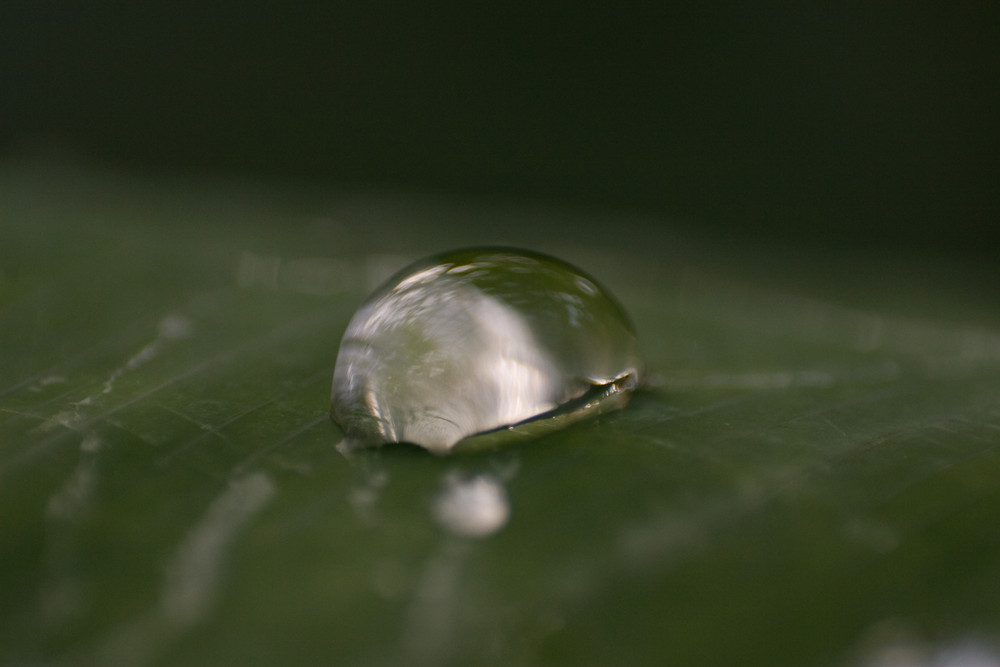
473, 342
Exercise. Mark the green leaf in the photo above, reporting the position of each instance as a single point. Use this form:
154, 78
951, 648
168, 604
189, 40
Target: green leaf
811, 479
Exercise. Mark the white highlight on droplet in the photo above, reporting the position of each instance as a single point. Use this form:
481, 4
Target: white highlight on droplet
472, 507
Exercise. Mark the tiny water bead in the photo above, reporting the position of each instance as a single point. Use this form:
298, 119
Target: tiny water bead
458, 348
473, 507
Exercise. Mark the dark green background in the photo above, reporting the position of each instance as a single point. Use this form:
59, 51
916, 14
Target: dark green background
795, 203
835, 123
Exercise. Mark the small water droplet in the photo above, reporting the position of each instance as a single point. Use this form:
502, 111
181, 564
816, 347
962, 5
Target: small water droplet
472, 342
474, 507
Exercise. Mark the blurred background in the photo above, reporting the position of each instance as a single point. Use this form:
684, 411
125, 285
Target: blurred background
834, 124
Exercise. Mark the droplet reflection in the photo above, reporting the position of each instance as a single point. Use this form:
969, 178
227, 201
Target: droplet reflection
472, 341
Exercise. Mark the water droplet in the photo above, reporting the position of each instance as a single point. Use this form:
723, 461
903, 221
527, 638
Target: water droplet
473, 342
474, 507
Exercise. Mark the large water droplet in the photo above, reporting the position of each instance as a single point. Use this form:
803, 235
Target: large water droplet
471, 342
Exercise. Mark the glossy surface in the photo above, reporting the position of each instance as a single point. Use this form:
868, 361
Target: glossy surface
474, 340
814, 482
